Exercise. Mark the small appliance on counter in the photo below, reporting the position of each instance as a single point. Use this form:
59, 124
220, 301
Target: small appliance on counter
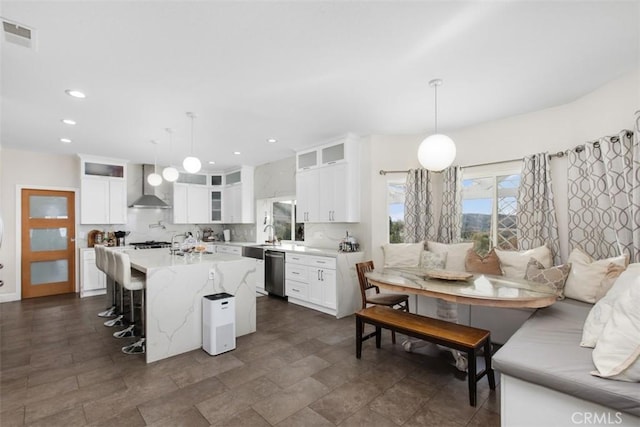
227, 235
349, 244
119, 236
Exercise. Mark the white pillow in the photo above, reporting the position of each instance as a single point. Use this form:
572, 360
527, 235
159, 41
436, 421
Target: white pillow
586, 275
402, 254
456, 253
601, 312
433, 261
617, 353
514, 263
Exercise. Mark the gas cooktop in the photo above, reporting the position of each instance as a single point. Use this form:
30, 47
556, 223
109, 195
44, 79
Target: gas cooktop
151, 244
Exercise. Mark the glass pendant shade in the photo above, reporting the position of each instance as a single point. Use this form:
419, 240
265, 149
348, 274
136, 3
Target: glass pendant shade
436, 152
170, 173
154, 179
191, 164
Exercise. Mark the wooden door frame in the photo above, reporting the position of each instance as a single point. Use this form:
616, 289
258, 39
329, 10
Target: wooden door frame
18, 264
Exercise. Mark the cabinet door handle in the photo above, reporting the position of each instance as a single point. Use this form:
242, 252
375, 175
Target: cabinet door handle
322, 275
318, 275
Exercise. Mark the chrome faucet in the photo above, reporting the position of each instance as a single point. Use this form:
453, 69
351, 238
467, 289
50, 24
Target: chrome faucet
173, 249
271, 238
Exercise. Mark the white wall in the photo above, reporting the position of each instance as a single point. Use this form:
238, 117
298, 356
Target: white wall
26, 168
605, 111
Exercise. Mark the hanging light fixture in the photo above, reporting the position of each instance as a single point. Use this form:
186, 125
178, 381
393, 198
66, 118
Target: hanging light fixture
170, 173
437, 151
191, 163
154, 178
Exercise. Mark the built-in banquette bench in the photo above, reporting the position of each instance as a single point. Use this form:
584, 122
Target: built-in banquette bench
459, 337
546, 375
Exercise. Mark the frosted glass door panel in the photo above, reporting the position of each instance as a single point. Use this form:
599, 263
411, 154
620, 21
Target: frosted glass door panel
48, 239
333, 154
48, 207
43, 272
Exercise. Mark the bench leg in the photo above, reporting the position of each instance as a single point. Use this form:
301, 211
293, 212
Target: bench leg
471, 375
359, 328
487, 362
378, 336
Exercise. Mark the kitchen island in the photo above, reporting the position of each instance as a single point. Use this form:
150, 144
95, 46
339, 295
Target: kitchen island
175, 286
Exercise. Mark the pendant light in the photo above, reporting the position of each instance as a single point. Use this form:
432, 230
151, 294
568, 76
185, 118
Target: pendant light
191, 163
170, 173
437, 151
154, 178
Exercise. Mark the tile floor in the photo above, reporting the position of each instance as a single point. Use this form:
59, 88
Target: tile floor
61, 367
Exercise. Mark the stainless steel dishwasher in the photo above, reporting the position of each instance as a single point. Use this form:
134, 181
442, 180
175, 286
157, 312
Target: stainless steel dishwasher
274, 272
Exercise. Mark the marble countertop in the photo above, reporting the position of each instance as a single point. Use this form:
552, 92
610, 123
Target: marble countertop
143, 260
290, 247
481, 289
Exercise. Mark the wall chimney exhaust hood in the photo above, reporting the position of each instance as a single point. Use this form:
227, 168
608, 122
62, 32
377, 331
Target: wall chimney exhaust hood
148, 199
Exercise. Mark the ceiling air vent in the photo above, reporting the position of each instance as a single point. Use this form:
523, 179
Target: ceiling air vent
18, 34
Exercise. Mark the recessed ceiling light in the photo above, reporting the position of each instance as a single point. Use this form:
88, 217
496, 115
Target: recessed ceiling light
75, 93
68, 122
65, 140
236, 153
272, 140
211, 162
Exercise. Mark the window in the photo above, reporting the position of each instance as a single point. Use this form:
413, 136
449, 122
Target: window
281, 214
395, 210
489, 205
283, 218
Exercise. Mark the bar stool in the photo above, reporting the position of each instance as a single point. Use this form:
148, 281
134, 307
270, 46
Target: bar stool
111, 273
101, 264
132, 282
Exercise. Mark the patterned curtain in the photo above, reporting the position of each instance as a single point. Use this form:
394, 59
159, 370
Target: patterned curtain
536, 216
604, 197
418, 216
450, 226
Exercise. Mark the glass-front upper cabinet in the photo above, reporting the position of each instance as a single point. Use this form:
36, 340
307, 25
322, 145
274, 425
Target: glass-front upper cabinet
307, 160
216, 206
192, 178
215, 180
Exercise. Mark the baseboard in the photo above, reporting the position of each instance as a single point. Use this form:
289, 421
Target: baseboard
9, 297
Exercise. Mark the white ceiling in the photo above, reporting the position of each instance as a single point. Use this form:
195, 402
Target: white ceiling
302, 72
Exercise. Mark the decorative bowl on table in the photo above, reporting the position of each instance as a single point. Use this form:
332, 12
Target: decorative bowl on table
449, 275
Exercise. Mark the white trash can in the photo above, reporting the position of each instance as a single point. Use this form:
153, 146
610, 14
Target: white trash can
218, 323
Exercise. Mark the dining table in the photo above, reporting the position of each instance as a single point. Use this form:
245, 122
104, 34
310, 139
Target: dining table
451, 288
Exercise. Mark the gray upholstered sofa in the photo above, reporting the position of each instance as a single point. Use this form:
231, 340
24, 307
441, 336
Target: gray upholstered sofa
546, 376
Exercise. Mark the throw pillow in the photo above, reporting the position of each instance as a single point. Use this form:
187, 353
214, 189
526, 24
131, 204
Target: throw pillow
555, 276
514, 263
456, 253
488, 264
613, 272
617, 353
402, 254
601, 312
586, 275
433, 261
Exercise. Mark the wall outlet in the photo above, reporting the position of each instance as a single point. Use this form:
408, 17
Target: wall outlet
211, 274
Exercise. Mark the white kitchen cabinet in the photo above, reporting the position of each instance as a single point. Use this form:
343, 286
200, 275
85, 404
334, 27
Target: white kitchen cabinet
190, 204
103, 191
260, 277
311, 281
307, 200
329, 190
238, 205
216, 205
92, 280
228, 249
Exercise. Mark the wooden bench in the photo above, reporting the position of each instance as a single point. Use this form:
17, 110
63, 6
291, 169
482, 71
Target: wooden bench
452, 335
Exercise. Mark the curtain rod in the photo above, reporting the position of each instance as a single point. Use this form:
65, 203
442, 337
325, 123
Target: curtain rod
384, 172
577, 149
